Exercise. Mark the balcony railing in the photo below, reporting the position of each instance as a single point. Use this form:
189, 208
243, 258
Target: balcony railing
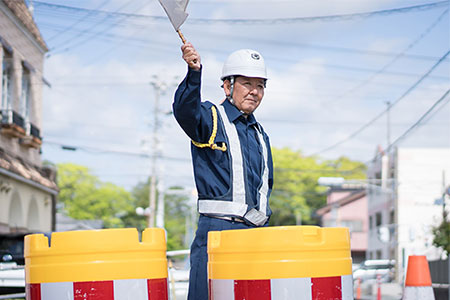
35, 132
33, 138
12, 124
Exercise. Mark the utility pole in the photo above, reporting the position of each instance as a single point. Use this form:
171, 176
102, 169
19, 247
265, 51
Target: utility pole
159, 88
156, 182
388, 125
391, 197
443, 194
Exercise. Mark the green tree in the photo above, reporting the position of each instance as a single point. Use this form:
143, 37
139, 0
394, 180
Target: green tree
176, 210
140, 195
442, 234
296, 194
86, 197
176, 213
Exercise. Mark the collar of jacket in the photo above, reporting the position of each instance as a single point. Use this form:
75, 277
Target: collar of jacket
233, 113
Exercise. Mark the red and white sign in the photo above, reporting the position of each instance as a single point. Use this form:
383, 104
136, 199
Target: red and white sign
136, 289
324, 288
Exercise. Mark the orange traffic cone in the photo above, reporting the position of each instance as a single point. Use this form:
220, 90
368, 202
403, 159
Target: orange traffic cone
418, 279
378, 287
358, 289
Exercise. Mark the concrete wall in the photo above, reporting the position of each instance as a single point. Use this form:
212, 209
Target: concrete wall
24, 208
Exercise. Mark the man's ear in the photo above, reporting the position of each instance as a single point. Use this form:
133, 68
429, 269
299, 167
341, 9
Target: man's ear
227, 87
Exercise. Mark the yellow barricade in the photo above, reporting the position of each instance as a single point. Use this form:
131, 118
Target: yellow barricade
280, 263
112, 262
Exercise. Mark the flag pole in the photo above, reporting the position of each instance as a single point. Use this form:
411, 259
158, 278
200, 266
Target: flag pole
181, 36
184, 40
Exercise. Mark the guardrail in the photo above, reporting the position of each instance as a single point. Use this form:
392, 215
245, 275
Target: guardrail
13, 296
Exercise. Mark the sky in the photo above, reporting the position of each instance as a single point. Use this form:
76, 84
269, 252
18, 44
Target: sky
333, 67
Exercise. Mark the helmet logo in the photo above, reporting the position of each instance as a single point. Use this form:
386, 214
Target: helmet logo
255, 56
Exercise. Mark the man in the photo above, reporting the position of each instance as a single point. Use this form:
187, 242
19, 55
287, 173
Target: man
230, 152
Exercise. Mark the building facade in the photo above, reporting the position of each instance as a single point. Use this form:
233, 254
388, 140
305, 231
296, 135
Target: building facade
403, 206
347, 207
27, 189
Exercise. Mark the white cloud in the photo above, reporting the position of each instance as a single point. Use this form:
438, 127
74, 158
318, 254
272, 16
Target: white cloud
101, 96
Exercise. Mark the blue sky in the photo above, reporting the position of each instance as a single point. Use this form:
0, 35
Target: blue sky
327, 77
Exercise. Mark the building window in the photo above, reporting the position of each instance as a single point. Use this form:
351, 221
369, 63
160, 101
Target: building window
25, 99
392, 253
378, 255
353, 225
392, 217
378, 219
370, 222
378, 178
6, 85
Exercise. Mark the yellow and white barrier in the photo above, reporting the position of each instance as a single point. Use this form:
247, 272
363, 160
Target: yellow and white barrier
108, 264
280, 263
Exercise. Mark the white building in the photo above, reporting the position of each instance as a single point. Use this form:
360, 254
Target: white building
402, 204
27, 190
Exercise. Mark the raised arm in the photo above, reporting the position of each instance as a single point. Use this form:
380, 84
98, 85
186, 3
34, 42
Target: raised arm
194, 118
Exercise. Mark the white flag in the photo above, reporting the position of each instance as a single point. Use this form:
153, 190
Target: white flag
176, 10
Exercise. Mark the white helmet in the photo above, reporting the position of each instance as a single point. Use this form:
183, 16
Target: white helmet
244, 62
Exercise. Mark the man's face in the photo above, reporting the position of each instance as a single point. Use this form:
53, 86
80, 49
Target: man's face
247, 93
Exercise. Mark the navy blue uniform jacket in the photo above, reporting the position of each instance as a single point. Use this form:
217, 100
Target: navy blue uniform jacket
212, 167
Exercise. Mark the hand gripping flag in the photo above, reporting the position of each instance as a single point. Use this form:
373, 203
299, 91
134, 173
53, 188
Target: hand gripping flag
176, 11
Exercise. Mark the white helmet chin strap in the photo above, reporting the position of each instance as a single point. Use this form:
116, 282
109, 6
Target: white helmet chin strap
230, 97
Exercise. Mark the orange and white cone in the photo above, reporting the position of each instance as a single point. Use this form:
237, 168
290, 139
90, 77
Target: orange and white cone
418, 279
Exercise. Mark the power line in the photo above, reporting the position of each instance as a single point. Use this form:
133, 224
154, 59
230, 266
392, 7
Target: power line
267, 41
391, 62
409, 90
102, 151
333, 66
415, 125
82, 42
77, 22
419, 121
330, 18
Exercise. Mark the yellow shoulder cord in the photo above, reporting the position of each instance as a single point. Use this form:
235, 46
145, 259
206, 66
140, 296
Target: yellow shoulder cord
211, 143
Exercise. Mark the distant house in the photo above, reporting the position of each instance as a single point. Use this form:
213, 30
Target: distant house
347, 207
66, 223
27, 190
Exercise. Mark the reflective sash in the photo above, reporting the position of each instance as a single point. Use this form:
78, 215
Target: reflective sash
238, 206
